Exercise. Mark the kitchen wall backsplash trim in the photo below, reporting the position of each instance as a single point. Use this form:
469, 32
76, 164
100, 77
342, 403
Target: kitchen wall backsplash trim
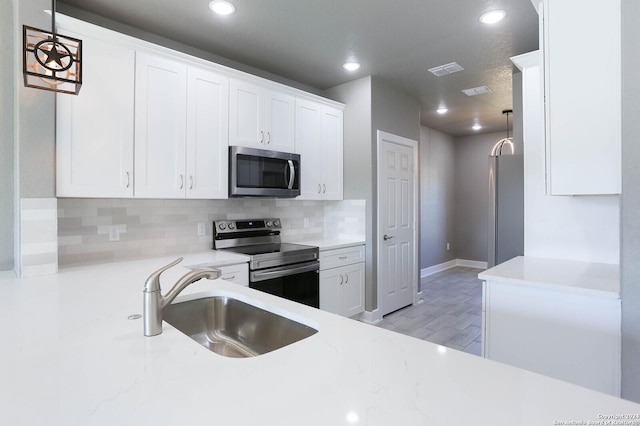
38, 237
150, 228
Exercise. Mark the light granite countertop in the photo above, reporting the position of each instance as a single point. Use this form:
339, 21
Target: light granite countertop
71, 356
601, 279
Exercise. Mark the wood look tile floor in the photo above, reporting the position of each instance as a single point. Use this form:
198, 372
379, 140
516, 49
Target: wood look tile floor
451, 314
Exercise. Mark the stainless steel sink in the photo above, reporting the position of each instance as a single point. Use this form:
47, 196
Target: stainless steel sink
233, 328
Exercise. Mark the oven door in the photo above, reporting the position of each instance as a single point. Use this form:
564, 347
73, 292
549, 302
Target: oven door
262, 173
299, 282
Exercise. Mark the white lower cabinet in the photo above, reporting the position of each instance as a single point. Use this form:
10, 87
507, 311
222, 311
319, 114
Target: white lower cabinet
342, 281
565, 334
238, 273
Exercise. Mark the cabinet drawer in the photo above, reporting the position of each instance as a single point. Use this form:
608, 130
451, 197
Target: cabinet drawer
340, 257
238, 274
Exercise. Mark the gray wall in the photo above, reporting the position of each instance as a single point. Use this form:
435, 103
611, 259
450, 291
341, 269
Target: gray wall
630, 201
372, 105
437, 197
36, 120
7, 136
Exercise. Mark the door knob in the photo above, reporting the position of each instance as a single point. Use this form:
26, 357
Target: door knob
386, 237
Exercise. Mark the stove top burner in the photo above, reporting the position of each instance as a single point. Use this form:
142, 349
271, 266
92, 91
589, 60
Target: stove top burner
258, 249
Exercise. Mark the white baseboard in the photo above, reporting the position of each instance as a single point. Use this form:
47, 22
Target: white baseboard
471, 264
370, 317
452, 264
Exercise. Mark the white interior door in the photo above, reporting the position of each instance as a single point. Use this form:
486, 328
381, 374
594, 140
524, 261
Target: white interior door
397, 273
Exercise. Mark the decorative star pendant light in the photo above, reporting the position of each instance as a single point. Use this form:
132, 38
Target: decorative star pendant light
52, 61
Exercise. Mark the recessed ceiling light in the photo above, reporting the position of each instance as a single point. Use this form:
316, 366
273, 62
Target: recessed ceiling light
442, 110
351, 66
476, 127
222, 7
493, 16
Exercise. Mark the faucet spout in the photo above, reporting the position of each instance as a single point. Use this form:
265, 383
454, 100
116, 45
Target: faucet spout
155, 303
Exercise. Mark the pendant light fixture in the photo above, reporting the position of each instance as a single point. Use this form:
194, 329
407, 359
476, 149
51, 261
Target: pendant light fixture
51, 61
497, 148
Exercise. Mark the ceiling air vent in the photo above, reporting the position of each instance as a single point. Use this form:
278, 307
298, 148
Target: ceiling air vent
446, 69
476, 91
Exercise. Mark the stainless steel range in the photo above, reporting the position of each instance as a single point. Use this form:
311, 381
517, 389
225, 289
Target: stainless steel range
284, 269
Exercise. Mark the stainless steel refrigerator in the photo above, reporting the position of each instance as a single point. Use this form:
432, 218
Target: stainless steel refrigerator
506, 208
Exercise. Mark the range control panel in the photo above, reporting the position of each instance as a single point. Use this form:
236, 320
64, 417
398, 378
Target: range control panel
257, 225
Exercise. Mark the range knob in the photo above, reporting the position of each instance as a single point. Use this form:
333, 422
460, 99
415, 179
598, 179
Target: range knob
277, 223
232, 225
269, 224
222, 226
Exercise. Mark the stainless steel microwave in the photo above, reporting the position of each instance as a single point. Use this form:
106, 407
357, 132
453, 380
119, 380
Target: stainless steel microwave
262, 173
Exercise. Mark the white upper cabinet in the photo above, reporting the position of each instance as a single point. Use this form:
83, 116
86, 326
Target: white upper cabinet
151, 122
160, 123
207, 134
260, 117
181, 130
319, 141
94, 137
582, 82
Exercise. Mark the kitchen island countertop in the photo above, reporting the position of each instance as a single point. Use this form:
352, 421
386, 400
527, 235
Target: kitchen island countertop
71, 356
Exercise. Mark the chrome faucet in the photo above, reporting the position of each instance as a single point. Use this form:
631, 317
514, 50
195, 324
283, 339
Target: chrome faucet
155, 303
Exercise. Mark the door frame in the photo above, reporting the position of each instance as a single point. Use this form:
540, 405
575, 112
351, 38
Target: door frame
383, 137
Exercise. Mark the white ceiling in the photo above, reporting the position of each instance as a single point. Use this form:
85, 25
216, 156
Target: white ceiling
396, 40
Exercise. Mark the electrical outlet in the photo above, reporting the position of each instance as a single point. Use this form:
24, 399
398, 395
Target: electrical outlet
448, 246
306, 222
201, 229
114, 233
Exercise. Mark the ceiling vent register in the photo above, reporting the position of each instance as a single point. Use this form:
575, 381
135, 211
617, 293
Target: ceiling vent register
446, 69
474, 91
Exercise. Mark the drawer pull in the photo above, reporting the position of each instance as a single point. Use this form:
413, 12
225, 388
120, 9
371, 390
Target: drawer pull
228, 278
342, 257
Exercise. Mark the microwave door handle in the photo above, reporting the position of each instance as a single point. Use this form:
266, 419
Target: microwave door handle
292, 174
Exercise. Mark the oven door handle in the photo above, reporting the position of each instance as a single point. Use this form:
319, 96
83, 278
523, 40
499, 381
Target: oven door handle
284, 272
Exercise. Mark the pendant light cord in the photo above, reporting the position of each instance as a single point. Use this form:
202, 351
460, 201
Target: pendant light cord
53, 20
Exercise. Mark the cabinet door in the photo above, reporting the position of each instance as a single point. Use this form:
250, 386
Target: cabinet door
279, 121
160, 127
351, 292
330, 281
94, 138
331, 146
308, 140
207, 134
583, 92
246, 115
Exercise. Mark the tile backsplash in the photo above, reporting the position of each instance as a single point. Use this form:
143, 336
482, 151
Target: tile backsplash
149, 228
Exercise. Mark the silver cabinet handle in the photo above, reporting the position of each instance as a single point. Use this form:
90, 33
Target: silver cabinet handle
341, 279
128, 179
261, 136
324, 188
319, 189
268, 138
190, 181
181, 181
342, 257
347, 278
228, 278
386, 237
